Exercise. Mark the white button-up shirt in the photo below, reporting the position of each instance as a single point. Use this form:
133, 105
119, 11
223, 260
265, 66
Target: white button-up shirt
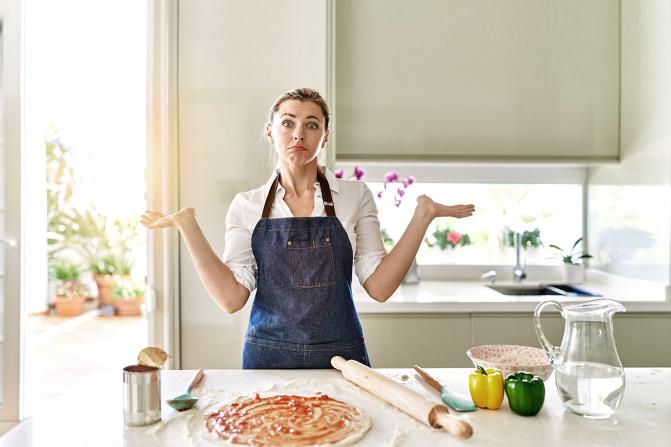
354, 206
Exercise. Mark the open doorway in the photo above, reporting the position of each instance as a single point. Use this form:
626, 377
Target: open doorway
85, 115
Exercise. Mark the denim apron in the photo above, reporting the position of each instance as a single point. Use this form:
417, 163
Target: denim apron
303, 313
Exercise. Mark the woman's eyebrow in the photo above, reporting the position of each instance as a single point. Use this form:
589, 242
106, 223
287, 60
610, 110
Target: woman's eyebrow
294, 116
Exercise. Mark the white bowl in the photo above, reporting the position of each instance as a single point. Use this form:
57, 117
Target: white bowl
512, 358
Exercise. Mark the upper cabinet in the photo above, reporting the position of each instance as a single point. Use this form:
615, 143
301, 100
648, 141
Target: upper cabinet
483, 80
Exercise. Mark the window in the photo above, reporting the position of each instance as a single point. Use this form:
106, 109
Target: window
545, 204
544, 214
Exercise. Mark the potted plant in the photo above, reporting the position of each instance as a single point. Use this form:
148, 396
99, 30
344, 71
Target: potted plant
530, 239
102, 269
127, 297
70, 292
107, 270
444, 238
572, 272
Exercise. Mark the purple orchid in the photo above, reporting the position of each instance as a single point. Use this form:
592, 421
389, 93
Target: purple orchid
390, 177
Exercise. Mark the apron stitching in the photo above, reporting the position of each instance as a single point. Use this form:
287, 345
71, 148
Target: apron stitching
321, 284
311, 248
274, 347
306, 347
300, 228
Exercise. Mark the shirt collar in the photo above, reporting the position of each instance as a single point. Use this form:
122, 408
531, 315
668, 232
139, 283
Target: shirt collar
330, 176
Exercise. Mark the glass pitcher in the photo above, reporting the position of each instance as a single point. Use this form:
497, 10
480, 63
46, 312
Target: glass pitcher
588, 371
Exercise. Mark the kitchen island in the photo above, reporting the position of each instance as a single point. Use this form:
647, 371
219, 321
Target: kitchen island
91, 413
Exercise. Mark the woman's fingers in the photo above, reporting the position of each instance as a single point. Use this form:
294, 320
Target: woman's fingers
458, 211
462, 210
155, 219
155, 214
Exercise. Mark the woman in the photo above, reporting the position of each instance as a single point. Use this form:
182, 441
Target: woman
292, 240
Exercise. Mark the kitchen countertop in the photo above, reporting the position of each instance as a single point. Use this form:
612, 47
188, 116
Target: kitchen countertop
92, 412
431, 296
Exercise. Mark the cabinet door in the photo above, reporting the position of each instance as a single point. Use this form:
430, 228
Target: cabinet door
477, 80
403, 340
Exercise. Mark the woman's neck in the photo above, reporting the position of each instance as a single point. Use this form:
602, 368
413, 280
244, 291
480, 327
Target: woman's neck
298, 181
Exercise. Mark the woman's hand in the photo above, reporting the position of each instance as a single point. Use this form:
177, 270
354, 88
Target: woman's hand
156, 219
431, 209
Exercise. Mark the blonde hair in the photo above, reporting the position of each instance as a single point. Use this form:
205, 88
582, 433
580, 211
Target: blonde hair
302, 95
299, 94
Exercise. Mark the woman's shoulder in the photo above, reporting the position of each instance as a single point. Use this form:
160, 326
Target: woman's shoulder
247, 204
252, 196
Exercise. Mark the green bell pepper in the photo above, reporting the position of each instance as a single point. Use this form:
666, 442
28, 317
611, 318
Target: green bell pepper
526, 393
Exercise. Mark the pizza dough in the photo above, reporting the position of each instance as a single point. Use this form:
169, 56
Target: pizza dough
290, 421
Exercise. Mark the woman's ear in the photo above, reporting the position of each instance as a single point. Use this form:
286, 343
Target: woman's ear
326, 138
269, 134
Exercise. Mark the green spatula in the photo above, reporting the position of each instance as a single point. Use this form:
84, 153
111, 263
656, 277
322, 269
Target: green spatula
455, 400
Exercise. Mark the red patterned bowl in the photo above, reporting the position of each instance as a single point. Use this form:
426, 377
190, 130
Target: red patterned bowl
512, 358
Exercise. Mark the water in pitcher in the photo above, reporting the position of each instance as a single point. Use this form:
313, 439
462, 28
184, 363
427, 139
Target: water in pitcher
593, 390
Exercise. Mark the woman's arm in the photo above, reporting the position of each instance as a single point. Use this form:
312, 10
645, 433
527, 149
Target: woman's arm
217, 278
391, 271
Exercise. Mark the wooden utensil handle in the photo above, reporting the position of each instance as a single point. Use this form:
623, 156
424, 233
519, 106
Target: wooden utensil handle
430, 380
403, 398
196, 380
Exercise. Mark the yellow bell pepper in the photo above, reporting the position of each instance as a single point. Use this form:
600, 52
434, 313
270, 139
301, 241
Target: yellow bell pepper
486, 387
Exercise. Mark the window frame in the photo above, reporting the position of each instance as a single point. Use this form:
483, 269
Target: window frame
482, 173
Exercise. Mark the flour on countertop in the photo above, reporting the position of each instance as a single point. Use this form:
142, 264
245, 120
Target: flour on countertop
390, 426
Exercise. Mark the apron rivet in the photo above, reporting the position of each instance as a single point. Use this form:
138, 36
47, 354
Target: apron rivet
289, 243
327, 239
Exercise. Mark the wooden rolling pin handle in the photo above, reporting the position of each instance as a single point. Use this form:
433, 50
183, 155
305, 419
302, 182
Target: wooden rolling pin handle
338, 362
401, 397
439, 417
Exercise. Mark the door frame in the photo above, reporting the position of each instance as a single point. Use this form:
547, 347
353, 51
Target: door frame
163, 248
14, 237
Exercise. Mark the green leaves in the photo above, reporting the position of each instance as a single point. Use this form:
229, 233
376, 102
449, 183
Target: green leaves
64, 270
570, 257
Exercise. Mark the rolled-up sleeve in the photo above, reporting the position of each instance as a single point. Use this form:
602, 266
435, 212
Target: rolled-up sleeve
369, 246
238, 255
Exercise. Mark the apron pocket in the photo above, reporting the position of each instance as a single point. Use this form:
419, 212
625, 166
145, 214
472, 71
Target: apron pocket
312, 263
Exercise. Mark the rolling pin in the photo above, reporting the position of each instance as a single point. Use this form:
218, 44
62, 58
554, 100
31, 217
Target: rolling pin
409, 401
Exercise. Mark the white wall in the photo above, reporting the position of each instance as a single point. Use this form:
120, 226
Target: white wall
234, 59
630, 203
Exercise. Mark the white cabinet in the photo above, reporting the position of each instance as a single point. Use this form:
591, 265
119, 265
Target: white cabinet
477, 80
441, 340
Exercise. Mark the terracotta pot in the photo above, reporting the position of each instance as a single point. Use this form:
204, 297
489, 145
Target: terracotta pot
129, 307
105, 284
69, 306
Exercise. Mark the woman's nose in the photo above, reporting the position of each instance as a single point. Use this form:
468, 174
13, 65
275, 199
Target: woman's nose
298, 137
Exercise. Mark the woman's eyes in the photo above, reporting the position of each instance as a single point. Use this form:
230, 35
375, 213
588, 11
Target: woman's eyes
312, 126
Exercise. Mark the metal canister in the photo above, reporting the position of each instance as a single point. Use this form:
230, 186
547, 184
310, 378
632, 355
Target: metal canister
141, 395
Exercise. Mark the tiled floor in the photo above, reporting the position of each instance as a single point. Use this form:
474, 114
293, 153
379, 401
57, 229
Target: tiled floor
60, 351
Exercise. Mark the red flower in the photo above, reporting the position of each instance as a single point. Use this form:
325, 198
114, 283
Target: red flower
454, 238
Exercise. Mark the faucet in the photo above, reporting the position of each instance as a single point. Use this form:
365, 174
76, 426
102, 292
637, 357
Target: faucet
489, 276
518, 272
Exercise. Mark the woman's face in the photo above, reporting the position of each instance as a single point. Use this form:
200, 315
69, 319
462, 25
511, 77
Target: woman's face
297, 132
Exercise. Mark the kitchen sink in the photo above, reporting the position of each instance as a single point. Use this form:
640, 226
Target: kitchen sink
542, 289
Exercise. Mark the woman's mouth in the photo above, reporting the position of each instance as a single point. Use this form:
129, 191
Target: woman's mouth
297, 148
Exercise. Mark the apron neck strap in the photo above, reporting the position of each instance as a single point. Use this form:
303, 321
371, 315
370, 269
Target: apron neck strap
323, 185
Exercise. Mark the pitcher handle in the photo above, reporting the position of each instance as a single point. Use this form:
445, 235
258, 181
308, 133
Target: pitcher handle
551, 350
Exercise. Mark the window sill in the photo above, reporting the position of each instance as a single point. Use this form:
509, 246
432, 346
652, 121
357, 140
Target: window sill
468, 296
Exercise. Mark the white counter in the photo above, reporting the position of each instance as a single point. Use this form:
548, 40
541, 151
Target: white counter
474, 296
91, 414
